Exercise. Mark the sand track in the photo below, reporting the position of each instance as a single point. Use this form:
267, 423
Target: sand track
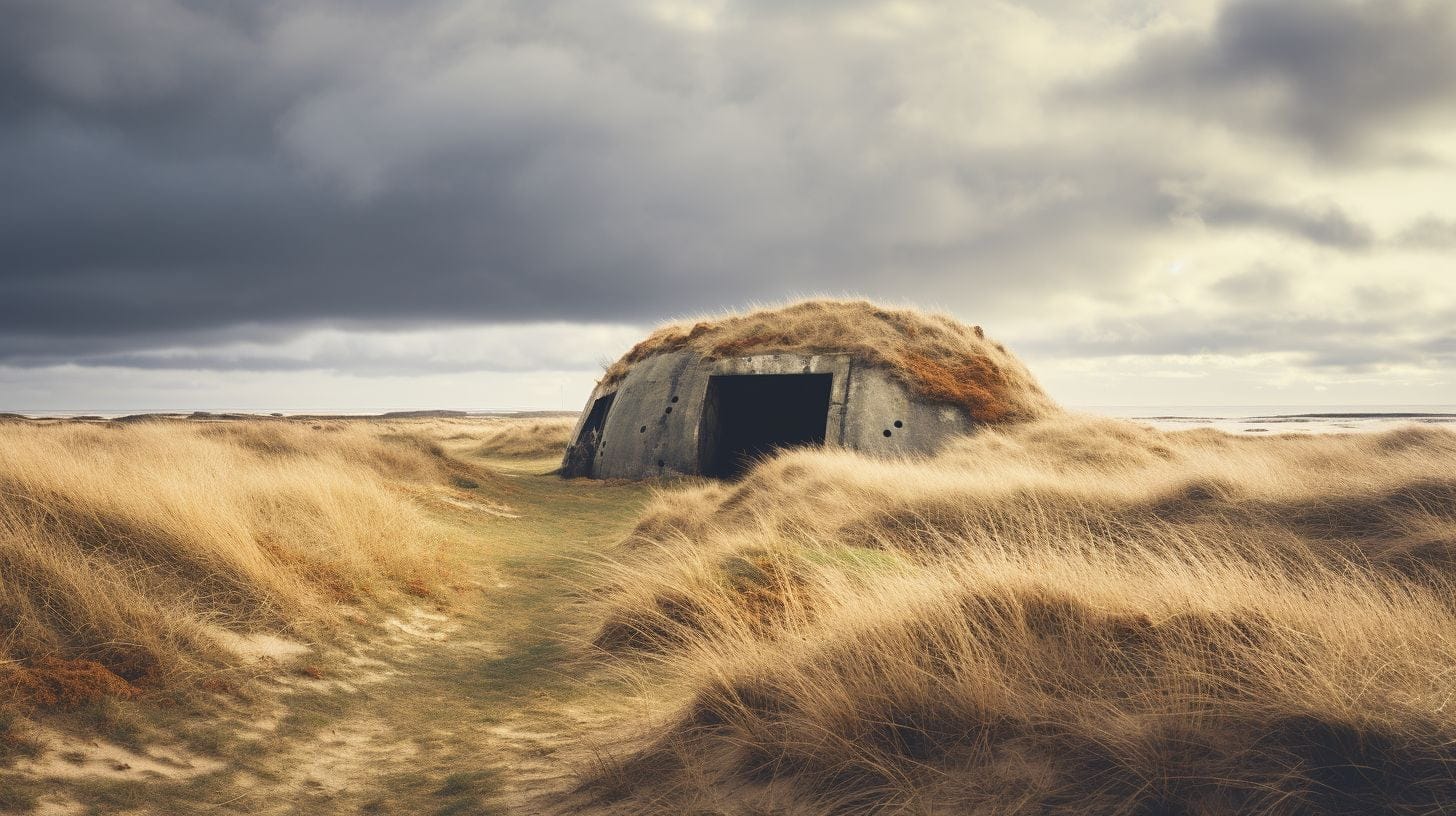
471, 705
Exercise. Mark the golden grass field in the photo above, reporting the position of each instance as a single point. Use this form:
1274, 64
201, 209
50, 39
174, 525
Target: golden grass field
161, 566
1068, 615
121, 545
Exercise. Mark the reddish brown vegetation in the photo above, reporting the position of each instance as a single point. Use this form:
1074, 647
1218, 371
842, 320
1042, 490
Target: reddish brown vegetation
54, 681
933, 355
219, 685
978, 384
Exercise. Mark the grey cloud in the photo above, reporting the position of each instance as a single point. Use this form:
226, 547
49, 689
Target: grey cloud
1332, 74
1256, 288
1429, 232
1328, 225
166, 77
1444, 345
1350, 343
427, 348
188, 168
202, 174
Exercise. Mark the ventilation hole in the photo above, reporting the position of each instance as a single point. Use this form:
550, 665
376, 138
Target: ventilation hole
642, 429
674, 399
887, 432
661, 463
899, 424
669, 409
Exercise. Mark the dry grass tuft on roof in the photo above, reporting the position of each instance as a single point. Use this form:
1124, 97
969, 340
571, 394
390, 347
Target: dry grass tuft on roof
934, 355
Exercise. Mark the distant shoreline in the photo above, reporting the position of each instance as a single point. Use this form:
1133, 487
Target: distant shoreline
1297, 417
1232, 418
142, 416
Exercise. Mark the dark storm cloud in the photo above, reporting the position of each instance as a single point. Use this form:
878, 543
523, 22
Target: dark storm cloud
194, 174
361, 350
1333, 74
188, 186
194, 166
167, 77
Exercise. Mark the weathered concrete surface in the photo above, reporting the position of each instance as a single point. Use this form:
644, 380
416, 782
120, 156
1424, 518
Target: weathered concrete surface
653, 427
885, 418
647, 433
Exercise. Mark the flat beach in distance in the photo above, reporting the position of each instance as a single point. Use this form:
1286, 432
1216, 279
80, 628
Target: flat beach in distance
1281, 418
1233, 418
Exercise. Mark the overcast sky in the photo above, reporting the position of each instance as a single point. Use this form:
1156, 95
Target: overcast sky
474, 204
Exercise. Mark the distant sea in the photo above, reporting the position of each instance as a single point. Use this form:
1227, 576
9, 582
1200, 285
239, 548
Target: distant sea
1232, 418
1281, 418
112, 413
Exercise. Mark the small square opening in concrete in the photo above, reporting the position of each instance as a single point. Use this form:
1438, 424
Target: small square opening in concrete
746, 416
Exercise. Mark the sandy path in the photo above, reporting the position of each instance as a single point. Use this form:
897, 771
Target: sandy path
476, 706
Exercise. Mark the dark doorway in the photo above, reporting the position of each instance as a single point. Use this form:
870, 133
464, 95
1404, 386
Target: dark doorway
750, 415
581, 458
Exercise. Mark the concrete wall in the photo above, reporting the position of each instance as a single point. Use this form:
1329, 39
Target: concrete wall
653, 420
653, 427
885, 418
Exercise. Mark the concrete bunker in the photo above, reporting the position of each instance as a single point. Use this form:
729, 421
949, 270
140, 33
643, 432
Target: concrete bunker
747, 416
711, 398
581, 456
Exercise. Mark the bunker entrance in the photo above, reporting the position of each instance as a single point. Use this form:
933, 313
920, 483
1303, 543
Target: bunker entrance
750, 415
584, 452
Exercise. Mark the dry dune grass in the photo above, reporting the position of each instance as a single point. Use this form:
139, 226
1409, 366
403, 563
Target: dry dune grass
932, 354
1067, 616
121, 545
525, 438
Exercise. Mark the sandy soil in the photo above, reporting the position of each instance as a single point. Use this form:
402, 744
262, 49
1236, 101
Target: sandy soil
469, 705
